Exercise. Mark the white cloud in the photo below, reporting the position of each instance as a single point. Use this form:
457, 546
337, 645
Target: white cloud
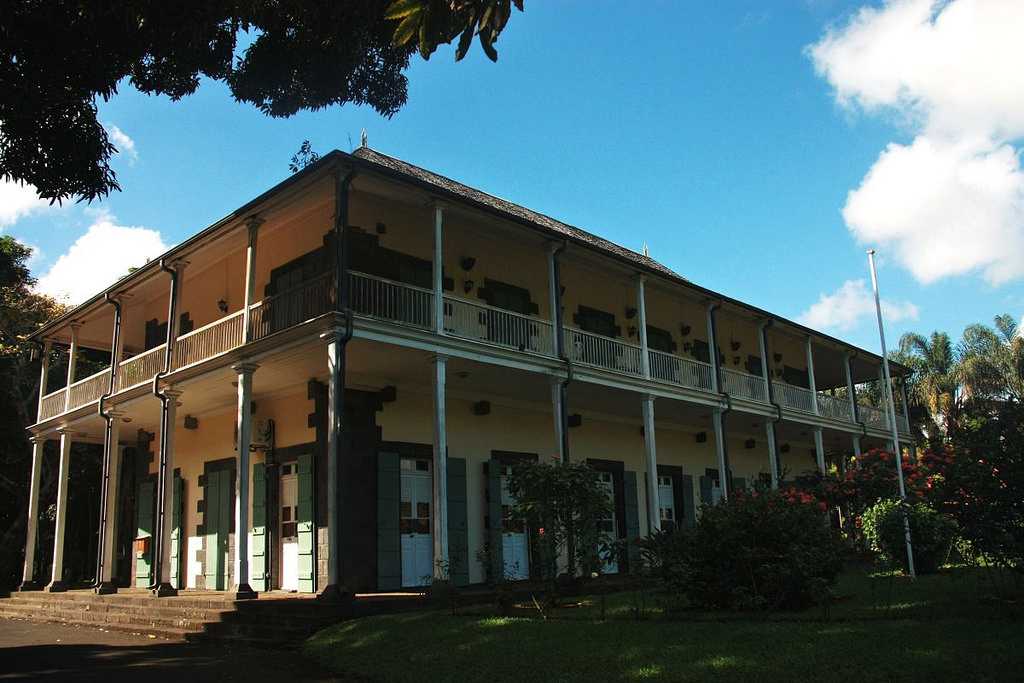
18, 201
125, 145
99, 258
844, 309
952, 201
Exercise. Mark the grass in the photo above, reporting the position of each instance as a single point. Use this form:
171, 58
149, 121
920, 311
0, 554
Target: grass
939, 628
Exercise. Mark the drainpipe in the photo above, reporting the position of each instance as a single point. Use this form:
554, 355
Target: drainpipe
559, 337
774, 446
726, 472
109, 449
172, 311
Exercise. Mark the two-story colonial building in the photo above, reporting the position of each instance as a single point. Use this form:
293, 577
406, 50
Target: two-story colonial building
323, 391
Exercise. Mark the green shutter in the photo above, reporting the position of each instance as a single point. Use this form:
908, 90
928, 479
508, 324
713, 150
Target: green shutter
177, 535
494, 518
706, 486
389, 542
258, 574
144, 504
631, 505
306, 527
689, 508
218, 495
739, 484
458, 525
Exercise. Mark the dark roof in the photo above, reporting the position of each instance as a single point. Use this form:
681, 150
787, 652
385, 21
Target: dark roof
506, 207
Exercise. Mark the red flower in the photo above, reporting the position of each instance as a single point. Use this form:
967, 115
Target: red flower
822, 506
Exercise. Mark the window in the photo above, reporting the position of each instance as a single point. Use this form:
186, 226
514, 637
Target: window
597, 322
795, 377
507, 297
660, 340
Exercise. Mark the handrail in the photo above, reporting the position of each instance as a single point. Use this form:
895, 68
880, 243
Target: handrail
209, 325
745, 385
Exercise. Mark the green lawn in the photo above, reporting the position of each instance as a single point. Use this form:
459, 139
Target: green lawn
940, 628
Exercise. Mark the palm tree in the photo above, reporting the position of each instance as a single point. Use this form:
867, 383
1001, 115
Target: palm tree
935, 381
992, 361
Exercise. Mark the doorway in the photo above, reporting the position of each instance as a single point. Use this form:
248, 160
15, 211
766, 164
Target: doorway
288, 530
515, 546
414, 522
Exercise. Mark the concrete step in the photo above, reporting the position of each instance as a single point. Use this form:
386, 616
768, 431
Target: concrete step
163, 633
102, 618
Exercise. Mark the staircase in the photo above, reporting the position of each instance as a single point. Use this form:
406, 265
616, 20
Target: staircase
272, 620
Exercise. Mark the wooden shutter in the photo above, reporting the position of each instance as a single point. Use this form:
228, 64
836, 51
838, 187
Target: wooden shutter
631, 508
306, 527
494, 520
389, 547
211, 527
144, 505
258, 570
177, 508
739, 483
458, 527
688, 502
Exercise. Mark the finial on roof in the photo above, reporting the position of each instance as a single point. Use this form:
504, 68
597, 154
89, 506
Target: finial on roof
362, 139
647, 253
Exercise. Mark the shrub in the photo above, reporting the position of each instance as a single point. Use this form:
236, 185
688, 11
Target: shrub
756, 551
931, 533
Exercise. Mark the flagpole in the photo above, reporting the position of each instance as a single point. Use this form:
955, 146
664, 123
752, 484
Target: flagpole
891, 409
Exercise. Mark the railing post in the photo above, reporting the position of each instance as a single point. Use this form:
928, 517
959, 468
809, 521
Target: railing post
253, 225
641, 307
44, 376
72, 364
438, 268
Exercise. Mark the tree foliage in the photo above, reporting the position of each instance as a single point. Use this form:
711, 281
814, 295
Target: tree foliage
303, 158
59, 57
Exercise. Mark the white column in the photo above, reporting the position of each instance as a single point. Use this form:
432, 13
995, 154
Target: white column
72, 364
57, 573
113, 478
554, 297
810, 377
819, 450
851, 391
168, 438
723, 471
335, 404
440, 475
641, 307
44, 376
28, 576
856, 446
556, 411
651, 451
242, 503
250, 277
712, 348
769, 425
438, 269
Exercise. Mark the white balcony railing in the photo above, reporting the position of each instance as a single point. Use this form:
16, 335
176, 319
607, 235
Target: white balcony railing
796, 398
141, 368
835, 408
666, 367
87, 390
602, 352
375, 297
290, 307
208, 341
52, 404
472, 320
745, 385
873, 417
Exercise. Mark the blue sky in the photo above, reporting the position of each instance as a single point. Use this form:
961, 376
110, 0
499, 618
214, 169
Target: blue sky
702, 129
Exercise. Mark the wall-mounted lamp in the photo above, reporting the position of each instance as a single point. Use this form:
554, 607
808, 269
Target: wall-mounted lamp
467, 286
191, 422
575, 420
702, 437
749, 443
222, 305
735, 360
630, 312
561, 290
381, 228
467, 263
777, 357
482, 408
684, 329
632, 331
735, 345
784, 448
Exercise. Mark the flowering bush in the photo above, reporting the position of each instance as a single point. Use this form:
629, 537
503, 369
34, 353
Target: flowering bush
932, 534
756, 551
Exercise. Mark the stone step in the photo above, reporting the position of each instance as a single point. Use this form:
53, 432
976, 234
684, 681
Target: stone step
103, 618
136, 611
163, 633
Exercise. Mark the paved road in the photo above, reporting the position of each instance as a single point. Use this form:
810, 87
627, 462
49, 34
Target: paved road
58, 652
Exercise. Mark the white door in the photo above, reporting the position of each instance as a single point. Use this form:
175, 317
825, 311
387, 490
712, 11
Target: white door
515, 551
666, 503
414, 520
289, 569
608, 525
